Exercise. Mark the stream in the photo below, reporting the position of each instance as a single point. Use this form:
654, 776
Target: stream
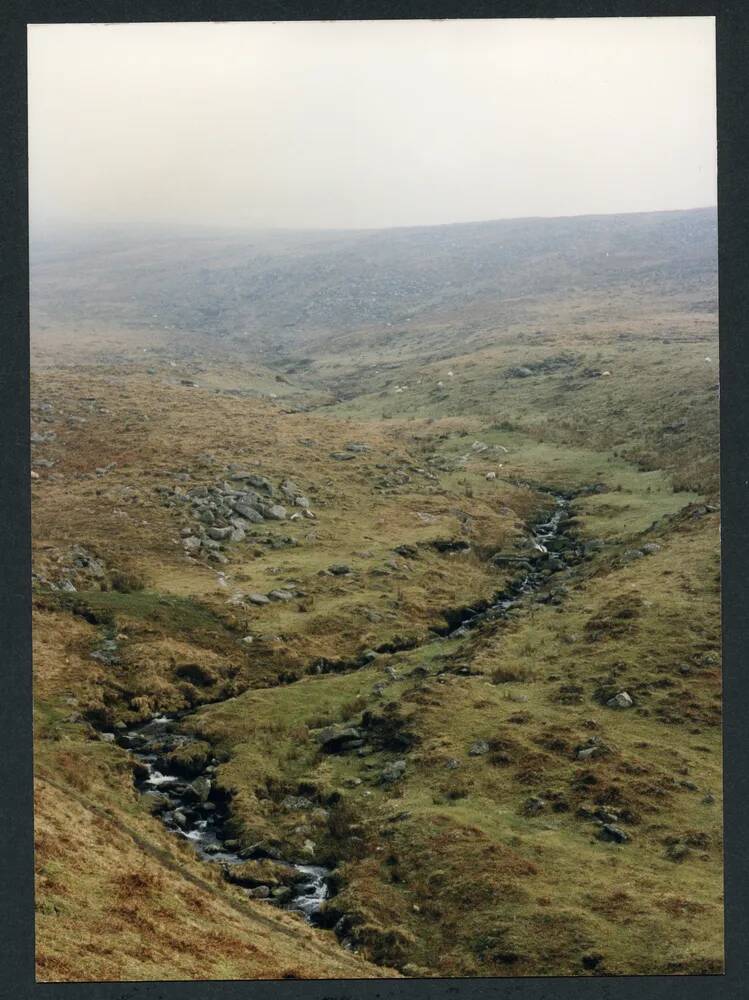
192, 807
537, 567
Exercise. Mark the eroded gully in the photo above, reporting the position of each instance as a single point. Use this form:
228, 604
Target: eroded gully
192, 805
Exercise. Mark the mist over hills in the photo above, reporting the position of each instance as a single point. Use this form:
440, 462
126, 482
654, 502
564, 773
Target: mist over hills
281, 292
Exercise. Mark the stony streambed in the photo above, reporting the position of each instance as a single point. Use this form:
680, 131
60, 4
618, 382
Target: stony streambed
536, 568
188, 804
192, 807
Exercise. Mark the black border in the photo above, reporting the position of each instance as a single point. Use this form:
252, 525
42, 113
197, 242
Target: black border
16, 878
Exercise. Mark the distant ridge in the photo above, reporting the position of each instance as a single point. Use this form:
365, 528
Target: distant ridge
285, 290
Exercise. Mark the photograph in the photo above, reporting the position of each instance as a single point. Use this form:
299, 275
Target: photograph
375, 499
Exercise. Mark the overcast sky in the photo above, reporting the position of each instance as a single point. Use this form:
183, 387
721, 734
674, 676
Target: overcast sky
370, 124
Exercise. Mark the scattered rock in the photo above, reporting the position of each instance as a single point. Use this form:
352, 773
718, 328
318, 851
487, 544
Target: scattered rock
259, 892
677, 851
612, 833
407, 551
296, 803
202, 788
275, 512
632, 554
219, 534
179, 818
479, 748
338, 739
620, 700
533, 806
247, 512
281, 595
393, 772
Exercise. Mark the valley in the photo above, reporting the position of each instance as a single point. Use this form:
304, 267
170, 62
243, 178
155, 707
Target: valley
377, 613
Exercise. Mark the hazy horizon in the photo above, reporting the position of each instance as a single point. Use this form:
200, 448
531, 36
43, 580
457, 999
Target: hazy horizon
355, 125
125, 225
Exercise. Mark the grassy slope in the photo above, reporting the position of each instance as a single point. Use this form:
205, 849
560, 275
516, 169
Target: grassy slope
444, 873
495, 880
135, 901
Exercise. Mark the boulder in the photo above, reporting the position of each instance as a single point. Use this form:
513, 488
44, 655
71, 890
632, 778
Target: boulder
281, 595
407, 551
336, 739
479, 748
393, 772
202, 788
290, 489
339, 569
274, 512
297, 803
620, 700
179, 818
258, 599
631, 554
533, 806
247, 512
650, 548
612, 833
259, 483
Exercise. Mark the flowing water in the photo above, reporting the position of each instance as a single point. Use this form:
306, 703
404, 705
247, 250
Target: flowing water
534, 577
191, 807
192, 810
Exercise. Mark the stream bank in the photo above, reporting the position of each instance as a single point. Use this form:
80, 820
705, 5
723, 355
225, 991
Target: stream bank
191, 806
189, 802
